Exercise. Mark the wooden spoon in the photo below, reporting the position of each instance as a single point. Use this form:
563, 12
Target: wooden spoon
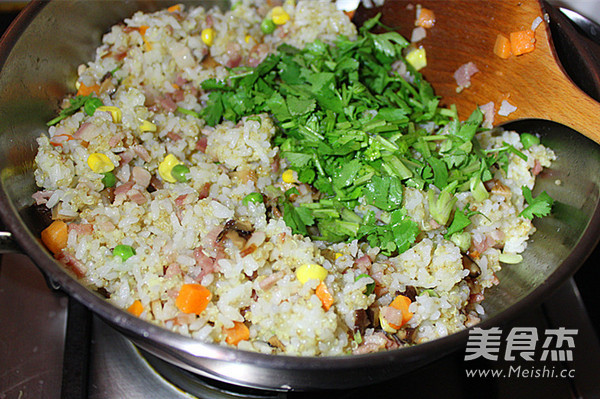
465, 31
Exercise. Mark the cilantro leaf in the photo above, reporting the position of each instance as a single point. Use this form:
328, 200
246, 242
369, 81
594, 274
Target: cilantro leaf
539, 206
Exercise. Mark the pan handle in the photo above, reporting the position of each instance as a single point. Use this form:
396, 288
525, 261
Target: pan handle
8, 244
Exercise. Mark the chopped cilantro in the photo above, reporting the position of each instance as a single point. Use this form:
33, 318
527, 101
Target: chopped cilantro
538, 206
360, 133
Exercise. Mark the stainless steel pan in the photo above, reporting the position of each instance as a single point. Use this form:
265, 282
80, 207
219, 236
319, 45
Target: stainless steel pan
38, 58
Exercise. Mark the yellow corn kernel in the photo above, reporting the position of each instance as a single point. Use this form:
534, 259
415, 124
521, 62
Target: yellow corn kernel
310, 271
100, 163
146, 126
385, 325
279, 16
338, 255
114, 112
417, 58
289, 176
208, 36
165, 167
248, 38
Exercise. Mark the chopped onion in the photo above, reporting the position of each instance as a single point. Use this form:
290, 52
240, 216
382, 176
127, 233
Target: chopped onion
506, 108
419, 33
536, 22
510, 259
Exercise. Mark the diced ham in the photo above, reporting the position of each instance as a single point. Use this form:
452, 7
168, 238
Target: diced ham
271, 280
257, 54
476, 298
179, 201
126, 157
141, 176
41, 197
81, 229
123, 188
115, 140
123, 173
374, 343
464, 73
202, 143
497, 235
481, 246
173, 136
471, 320
211, 237
71, 263
363, 263
234, 56
207, 264
137, 196
180, 80
488, 111
106, 226
167, 103
537, 168
178, 95
155, 183
392, 315
204, 192
173, 270
87, 131
209, 21
142, 152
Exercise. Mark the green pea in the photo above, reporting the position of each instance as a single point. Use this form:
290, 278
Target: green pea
528, 140
91, 105
109, 179
267, 26
123, 251
431, 293
461, 240
370, 287
252, 197
179, 173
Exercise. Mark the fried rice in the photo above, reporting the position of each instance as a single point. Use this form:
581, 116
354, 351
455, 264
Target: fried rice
202, 232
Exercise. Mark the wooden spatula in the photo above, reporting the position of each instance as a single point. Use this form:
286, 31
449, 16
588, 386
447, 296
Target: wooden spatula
465, 31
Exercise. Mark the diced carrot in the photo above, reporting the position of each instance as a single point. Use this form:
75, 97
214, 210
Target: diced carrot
239, 332
350, 14
401, 303
502, 47
59, 139
426, 18
193, 298
522, 42
324, 295
174, 8
136, 308
84, 90
55, 236
142, 29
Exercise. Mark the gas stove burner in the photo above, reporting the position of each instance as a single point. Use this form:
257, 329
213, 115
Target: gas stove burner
204, 387
119, 369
